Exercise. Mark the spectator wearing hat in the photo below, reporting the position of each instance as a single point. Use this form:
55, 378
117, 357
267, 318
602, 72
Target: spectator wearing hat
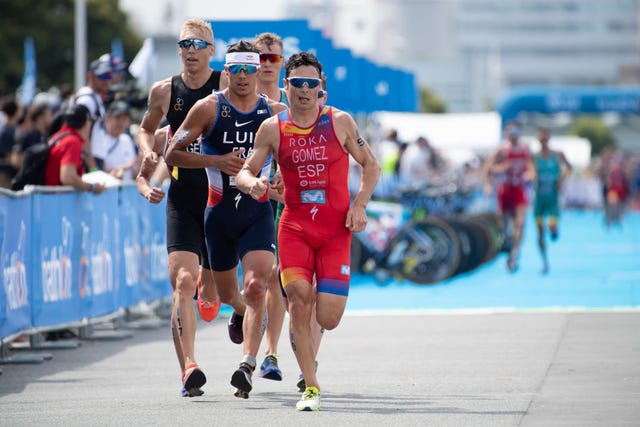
64, 164
118, 71
118, 67
114, 148
99, 80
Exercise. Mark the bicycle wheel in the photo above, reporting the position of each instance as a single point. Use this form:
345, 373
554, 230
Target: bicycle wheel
487, 249
425, 252
473, 243
494, 224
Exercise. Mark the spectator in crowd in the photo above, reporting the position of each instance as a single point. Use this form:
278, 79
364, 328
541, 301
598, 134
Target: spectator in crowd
40, 118
114, 148
415, 166
99, 80
119, 71
64, 165
3, 116
12, 111
387, 152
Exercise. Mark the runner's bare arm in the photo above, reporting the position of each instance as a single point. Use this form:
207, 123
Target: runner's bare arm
487, 171
199, 121
355, 144
566, 168
148, 166
266, 141
157, 105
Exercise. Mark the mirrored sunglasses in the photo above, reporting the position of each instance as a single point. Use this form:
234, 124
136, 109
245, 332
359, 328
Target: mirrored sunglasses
196, 43
300, 82
238, 68
105, 76
271, 57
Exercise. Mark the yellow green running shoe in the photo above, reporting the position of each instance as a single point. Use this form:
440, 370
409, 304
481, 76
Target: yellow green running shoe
310, 400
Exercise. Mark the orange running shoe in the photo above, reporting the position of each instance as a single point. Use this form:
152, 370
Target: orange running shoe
208, 310
193, 379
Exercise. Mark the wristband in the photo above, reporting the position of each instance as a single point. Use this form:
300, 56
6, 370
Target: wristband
93, 169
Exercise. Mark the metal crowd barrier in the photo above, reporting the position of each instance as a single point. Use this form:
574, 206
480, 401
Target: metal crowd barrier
72, 259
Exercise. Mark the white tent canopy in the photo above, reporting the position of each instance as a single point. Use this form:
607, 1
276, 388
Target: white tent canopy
461, 137
479, 132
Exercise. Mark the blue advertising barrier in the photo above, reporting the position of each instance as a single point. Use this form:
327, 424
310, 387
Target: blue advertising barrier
154, 282
15, 256
58, 273
69, 256
570, 99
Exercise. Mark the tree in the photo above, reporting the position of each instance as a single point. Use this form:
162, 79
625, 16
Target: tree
430, 102
51, 24
595, 130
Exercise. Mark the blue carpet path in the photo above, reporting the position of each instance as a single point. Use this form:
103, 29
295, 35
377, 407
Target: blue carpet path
591, 268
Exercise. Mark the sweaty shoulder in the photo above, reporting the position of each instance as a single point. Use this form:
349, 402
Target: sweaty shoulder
209, 101
160, 92
344, 125
342, 118
205, 110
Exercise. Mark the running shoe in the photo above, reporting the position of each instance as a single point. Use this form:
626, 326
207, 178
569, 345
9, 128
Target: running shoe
269, 368
301, 384
193, 379
310, 400
554, 236
208, 310
512, 264
193, 393
235, 328
241, 379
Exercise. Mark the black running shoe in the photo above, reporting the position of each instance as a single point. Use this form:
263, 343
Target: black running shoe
235, 328
241, 378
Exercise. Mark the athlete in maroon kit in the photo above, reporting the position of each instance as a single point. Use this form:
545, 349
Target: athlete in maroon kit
513, 164
312, 144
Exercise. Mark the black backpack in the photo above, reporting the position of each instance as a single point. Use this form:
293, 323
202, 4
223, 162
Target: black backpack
34, 162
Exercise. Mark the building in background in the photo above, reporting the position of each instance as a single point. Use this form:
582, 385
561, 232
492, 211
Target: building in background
471, 51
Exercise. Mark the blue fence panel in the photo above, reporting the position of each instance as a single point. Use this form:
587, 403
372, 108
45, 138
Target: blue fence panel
154, 283
68, 256
129, 254
99, 213
60, 270
15, 232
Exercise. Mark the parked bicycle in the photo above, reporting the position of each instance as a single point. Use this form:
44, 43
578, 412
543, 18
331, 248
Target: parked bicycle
426, 238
